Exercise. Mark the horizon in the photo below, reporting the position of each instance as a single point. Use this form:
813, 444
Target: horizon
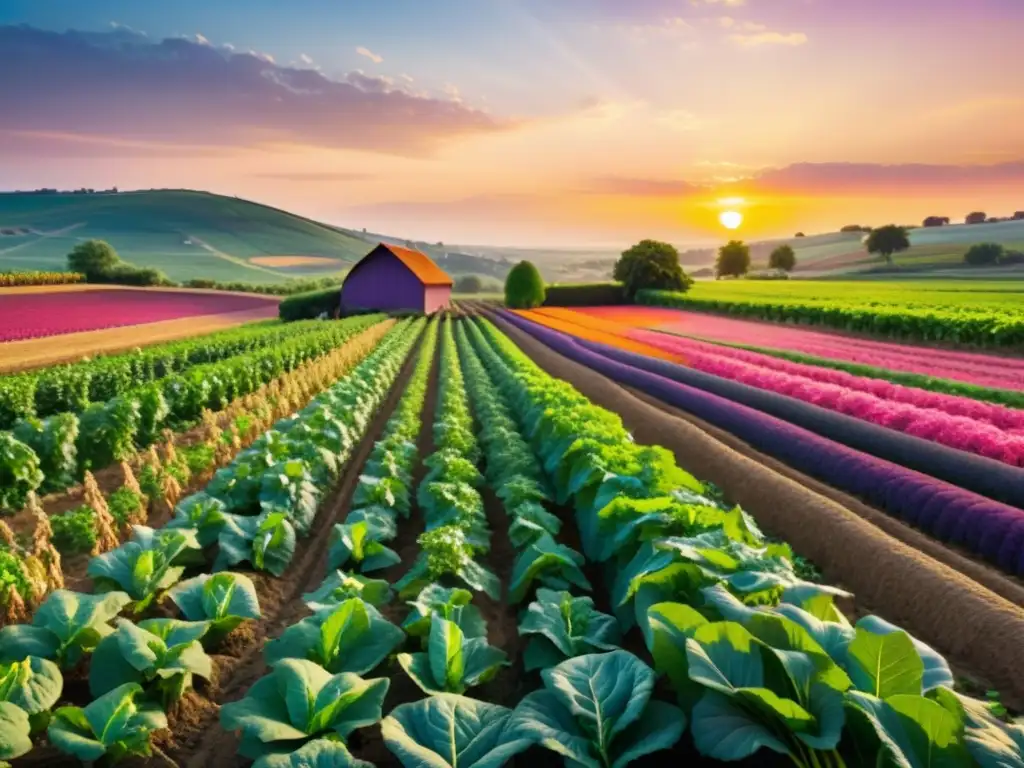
517, 124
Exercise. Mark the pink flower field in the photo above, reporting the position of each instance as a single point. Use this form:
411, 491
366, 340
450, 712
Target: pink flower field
35, 315
970, 367
968, 425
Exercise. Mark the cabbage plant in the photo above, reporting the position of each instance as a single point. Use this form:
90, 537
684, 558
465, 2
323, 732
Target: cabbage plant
15, 731
549, 563
596, 711
299, 701
222, 600
561, 627
357, 542
351, 637
451, 731
452, 662
339, 586
34, 685
67, 626
319, 753
289, 487
113, 726
147, 565
201, 512
161, 655
452, 604
447, 553
267, 541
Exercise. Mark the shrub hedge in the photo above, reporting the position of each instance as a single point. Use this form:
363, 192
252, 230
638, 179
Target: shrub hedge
306, 306
585, 294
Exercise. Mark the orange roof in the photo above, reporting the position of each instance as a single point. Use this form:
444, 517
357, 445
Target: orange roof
420, 264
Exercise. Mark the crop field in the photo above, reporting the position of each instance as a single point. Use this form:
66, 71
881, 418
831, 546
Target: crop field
35, 315
489, 538
982, 313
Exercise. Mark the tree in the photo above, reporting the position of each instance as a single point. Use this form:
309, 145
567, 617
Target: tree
983, 254
524, 287
800, 234
887, 240
93, 258
733, 259
650, 265
468, 284
783, 258
977, 217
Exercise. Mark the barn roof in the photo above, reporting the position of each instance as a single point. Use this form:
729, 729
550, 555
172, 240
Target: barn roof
420, 264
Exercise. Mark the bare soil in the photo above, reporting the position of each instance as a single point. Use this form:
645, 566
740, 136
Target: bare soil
975, 628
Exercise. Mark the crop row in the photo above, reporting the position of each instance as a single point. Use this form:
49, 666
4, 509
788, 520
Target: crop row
75, 386
982, 326
252, 511
53, 453
987, 430
18, 279
759, 657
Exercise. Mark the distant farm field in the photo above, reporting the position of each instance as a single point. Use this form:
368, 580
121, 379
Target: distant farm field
35, 315
296, 261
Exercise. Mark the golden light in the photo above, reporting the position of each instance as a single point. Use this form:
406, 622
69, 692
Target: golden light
730, 219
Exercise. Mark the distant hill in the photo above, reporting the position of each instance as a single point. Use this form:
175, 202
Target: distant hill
185, 234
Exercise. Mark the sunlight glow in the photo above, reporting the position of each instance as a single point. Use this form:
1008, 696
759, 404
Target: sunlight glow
730, 219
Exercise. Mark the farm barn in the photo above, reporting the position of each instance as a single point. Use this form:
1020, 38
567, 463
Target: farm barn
392, 277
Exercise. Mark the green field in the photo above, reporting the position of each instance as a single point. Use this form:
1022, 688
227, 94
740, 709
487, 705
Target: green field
185, 234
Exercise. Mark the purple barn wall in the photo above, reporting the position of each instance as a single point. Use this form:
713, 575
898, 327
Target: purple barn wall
381, 281
436, 297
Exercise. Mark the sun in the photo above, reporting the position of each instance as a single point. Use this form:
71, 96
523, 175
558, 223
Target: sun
730, 219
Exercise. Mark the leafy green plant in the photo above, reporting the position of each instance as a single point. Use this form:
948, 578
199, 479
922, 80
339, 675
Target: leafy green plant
20, 473
318, 753
161, 655
451, 604
357, 542
562, 627
145, 566
554, 565
452, 731
202, 512
447, 553
34, 685
266, 541
15, 731
596, 710
113, 726
14, 572
351, 637
289, 487
125, 504
107, 433
340, 586
299, 701
223, 600
53, 440
74, 531
65, 627
390, 492
452, 662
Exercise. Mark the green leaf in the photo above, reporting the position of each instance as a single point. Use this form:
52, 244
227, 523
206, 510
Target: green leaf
15, 731
661, 726
570, 624
33, 684
112, 724
542, 717
453, 604
884, 665
722, 729
452, 731
936, 670
351, 637
319, 753
452, 662
340, 586
548, 562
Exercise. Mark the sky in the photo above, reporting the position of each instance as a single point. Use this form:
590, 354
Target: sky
589, 123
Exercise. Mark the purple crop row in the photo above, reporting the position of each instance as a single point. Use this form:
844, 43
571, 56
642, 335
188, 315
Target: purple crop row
985, 527
989, 430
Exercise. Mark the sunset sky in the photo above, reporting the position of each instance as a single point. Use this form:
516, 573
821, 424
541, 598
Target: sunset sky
527, 122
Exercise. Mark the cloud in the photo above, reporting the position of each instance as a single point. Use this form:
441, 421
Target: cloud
767, 37
201, 39
369, 54
306, 59
636, 187
123, 87
116, 25
859, 178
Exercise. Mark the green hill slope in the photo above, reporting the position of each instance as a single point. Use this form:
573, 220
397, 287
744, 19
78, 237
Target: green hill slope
185, 234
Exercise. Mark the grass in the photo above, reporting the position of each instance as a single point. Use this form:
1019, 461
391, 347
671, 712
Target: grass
167, 229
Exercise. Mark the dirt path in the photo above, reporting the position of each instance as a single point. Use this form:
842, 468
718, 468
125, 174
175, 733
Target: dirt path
976, 629
228, 257
204, 743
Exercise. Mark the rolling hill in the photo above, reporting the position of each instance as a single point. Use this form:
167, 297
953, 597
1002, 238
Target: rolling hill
185, 234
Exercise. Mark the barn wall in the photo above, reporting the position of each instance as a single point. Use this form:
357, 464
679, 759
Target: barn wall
381, 281
436, 297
